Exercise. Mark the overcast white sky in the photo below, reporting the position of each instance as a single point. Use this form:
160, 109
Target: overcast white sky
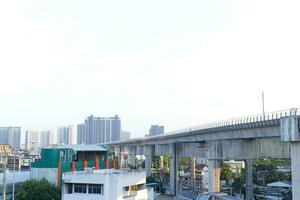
177, 63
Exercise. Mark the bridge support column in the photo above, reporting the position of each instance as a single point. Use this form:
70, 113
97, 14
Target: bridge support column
174, 160
249, 179
214, 174
120, 155
193, 171
131, 153
148, 161
161, 163
131, 158
295, 152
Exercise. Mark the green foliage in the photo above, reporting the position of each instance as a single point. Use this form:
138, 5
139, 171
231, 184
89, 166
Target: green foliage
270, 166
227, 174
151, 179
38, 190
186, 161
156, 162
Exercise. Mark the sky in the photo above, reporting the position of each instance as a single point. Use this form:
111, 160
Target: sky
175, 63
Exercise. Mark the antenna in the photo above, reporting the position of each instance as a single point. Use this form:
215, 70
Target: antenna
263, 103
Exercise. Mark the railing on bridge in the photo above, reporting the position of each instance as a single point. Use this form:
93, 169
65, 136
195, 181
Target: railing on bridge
252, 119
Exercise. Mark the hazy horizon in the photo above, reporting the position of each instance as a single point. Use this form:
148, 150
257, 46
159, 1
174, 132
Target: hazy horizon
170, 63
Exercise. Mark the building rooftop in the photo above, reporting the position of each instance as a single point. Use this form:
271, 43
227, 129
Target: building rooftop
284, 184
78, 147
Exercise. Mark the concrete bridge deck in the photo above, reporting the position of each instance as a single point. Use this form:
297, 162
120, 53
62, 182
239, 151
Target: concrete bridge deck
272, 135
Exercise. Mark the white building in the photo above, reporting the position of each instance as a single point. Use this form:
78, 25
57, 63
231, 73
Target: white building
66, 135
125, 135
106, 185
35, 139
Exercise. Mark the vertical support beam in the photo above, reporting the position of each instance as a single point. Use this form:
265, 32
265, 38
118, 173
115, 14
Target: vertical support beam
174, 160
161, 163
131, 153
121, 158
148, 161
295, 152
214, 174
249, 179
193, 171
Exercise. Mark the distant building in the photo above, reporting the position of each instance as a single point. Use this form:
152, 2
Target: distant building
10, 135
36, 139
236, 166
5, 149
65, 135
156, 130
99, 130
125, 135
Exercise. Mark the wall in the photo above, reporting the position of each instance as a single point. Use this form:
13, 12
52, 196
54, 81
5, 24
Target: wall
48, 173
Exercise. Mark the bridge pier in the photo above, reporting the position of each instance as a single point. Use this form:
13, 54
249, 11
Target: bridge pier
131, 154
193, 171
161, 162
214, 174
148, 161
249, 179
295, 158
174, 161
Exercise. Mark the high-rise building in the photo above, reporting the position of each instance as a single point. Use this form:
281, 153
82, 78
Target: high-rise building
156, 130
99, 129
65, 135
125, 135
11, 136
36, 139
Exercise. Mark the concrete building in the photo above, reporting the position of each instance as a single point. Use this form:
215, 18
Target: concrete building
97, 130
65, 135
10, 135
156, 130
36, 139
106, 184
235, 165
5, 149
125, 135
57, 159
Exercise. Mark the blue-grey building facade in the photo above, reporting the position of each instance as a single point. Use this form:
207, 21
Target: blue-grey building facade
156, 130
11, 136
96, 130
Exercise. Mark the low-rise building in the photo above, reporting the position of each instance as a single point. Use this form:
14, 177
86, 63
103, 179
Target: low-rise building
106, 184
235, 165
57, 159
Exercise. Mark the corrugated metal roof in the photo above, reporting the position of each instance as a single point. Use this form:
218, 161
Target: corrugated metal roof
78, 147
90, 147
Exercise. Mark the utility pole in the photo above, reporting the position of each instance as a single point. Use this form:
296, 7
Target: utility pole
13, 189
4, 176
14, 150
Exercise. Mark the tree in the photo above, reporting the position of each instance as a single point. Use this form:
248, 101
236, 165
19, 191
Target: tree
270, 167
38, 190
227, 174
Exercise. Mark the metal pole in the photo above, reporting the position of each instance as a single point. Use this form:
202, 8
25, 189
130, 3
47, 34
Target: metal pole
13, 189
4, 178
263, 103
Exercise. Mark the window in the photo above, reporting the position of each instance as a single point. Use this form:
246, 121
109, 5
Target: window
79, 188
126, 188
141, 186
63, 155
70, 188
95, 189
70, 156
